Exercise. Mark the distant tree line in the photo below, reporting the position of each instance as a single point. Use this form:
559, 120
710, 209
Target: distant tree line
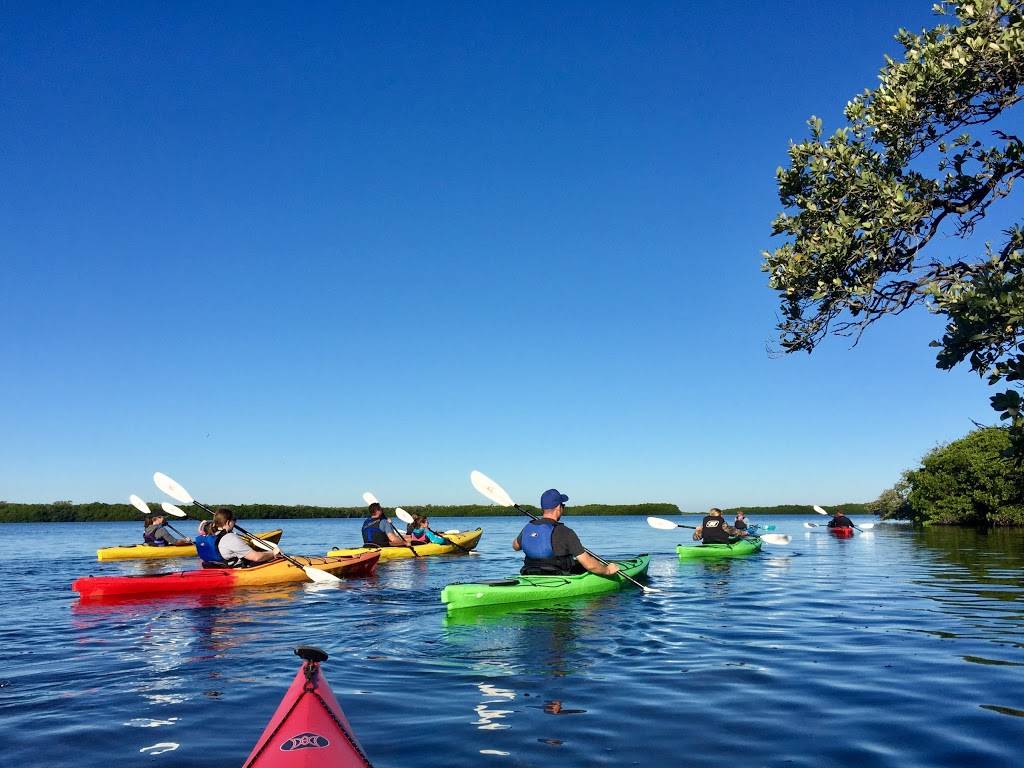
66, 512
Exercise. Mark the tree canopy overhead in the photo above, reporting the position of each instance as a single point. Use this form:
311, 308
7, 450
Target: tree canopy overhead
924, 155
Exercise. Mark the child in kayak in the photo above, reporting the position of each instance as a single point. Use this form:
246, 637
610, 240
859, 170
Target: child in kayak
420, 532
714, 530
552, 548
740, 523
156, 533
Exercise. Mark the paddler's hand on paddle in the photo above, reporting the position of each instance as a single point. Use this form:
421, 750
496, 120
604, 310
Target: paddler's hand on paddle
594, 565
275, 549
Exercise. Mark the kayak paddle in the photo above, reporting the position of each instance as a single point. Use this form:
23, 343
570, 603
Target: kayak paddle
491, 490
667, 525
865, 527
175, 490
406, 518
143, 507
170, 509
369, 498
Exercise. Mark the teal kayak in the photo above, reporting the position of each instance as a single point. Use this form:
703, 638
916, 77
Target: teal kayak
525, 589
738, 548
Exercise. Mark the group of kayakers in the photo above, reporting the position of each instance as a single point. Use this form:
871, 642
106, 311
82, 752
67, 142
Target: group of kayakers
379, 531
217, 544
549, 546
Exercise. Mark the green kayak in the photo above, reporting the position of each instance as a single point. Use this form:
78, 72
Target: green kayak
523, 589
738, 548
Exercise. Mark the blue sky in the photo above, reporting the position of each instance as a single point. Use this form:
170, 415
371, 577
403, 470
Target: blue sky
289, 254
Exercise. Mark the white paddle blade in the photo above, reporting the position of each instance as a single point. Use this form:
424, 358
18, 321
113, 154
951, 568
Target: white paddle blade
490, 489
819, 510
661, 524
139, 504
369, 498
775, 538
172, 510
866, 526
449, 533
171, 487
320, 577
402, 515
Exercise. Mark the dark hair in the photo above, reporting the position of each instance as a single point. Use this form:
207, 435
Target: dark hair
223, 516
375, 507
147, 521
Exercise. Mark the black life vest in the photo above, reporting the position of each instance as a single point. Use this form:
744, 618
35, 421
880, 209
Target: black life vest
713, 530
740, 525
149, 536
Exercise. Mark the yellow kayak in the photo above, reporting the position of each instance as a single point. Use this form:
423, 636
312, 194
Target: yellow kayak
466, 540
142, 551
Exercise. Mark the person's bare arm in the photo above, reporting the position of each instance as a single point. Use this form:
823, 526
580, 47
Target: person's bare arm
594, 565
515, 545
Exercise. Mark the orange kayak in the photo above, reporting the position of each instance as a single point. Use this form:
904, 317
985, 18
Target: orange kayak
278, 571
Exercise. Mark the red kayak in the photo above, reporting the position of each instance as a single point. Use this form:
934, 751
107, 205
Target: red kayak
845, 532
308, 730
279, 571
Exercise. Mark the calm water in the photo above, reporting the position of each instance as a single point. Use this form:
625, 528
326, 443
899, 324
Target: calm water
897, 648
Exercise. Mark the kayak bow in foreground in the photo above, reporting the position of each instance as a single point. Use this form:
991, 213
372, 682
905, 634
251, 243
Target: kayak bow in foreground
309, 729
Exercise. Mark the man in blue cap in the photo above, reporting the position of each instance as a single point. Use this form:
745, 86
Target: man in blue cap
552, 548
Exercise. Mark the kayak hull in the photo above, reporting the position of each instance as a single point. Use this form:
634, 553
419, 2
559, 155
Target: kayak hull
308, 730
278, 571
467, 540
740, 548
528, 589
842, 533
147, 551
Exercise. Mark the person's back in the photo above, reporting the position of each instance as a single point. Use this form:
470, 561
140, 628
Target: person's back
714, 530
551, 548
839, 520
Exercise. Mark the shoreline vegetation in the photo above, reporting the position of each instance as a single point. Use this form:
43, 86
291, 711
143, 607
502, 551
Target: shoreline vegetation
66, 512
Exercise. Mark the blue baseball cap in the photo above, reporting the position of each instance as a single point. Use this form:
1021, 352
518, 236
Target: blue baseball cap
552, 498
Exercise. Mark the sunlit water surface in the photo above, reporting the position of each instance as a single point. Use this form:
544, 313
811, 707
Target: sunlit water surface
896, 648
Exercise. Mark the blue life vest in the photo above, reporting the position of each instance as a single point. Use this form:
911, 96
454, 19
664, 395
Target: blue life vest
374, 532
206, 547
535, 541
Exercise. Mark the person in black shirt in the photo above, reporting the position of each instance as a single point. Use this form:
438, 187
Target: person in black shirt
552, 548
740, 523
839, 520
714, 530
